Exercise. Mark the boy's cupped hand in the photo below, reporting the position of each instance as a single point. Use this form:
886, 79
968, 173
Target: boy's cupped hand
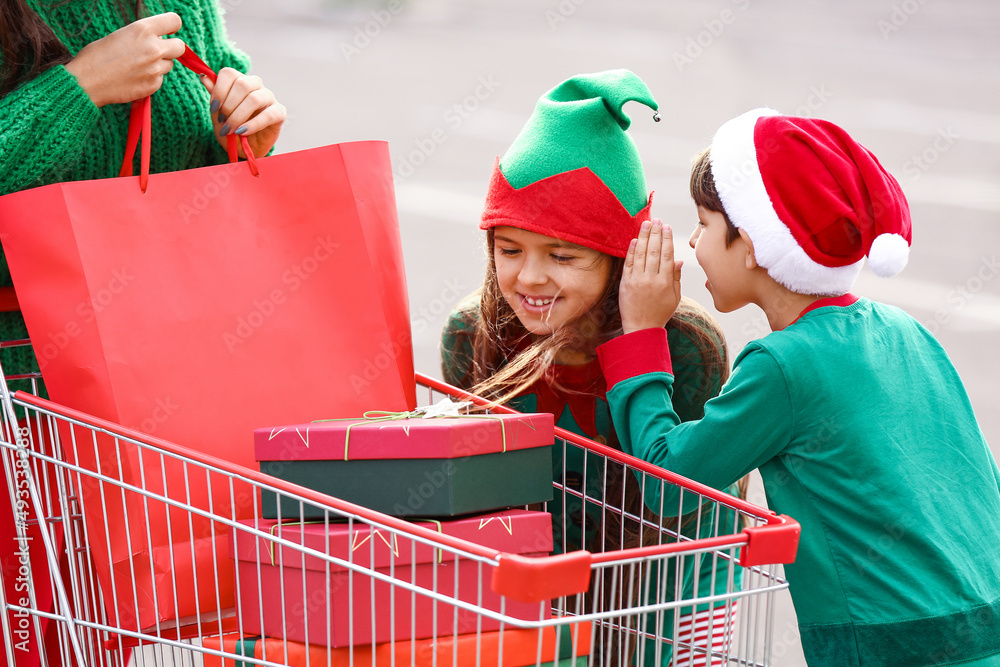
651, 280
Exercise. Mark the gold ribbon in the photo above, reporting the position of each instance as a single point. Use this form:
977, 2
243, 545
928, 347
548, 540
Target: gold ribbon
372, 531
376, 416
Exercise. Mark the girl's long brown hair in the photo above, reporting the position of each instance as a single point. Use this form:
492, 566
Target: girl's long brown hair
29, 46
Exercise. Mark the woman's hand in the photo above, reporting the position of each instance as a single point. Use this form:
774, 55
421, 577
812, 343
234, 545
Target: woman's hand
242, 105
651, 280
129, 64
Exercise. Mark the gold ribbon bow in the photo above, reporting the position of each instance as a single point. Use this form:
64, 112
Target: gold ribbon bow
444, 409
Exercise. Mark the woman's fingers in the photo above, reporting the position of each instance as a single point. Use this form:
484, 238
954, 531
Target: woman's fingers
240, 98
173, 48
274, 114
130, 63
167, 23
255, 104
240, 104
220, 95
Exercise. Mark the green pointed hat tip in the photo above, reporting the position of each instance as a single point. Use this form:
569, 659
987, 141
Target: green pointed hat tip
580, 123
614, 88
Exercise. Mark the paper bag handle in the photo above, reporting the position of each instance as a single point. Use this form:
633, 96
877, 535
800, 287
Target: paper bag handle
140, 126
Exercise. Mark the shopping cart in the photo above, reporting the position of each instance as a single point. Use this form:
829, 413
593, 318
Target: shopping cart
611, 606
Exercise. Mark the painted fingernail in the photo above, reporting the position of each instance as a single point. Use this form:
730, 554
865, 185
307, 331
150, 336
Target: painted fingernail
224, 131
242, 129
222, 117
667, 229
215, 106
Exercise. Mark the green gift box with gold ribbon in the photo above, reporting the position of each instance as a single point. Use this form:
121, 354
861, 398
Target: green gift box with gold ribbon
409, 465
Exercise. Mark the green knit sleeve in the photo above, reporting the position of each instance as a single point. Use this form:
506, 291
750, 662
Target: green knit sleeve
456, 344
747, 424
46, 123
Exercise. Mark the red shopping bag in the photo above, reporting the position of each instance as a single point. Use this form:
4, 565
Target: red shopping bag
197, 306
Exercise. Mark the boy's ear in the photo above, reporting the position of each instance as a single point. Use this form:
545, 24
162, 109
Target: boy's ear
751, 258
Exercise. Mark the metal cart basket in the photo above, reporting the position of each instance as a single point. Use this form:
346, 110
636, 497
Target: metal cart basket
625, 601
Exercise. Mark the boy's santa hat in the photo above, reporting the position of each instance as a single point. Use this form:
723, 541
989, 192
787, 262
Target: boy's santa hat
573, 172
814, 202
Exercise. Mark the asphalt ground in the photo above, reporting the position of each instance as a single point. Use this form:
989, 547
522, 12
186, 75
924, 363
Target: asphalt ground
449, 83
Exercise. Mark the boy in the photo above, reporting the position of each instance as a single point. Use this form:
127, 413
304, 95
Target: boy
851, 410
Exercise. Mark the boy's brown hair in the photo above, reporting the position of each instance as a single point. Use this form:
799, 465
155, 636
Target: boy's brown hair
704, 193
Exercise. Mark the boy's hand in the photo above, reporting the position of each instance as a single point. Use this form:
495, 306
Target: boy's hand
651, 280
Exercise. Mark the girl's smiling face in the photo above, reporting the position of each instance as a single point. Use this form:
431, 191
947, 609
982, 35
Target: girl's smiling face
548, 283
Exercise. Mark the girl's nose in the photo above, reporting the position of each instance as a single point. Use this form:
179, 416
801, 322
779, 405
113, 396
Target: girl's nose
532, 272
694, 236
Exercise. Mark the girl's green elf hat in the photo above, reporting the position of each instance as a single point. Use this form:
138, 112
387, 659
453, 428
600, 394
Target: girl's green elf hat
573, 172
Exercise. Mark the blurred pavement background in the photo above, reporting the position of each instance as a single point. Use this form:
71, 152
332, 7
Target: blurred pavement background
449, 84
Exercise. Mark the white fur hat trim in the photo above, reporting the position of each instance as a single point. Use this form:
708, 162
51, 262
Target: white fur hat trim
888, 255
741, 189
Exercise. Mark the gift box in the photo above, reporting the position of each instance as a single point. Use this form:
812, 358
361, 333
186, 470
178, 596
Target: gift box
441, 467
283, 591
520, 649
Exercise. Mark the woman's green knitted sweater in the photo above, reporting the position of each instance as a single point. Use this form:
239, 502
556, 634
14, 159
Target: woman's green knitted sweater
51, 132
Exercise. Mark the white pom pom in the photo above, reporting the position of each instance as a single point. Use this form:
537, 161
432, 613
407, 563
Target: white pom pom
888, 254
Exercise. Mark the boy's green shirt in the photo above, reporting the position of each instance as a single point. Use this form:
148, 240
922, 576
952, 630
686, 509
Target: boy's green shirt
862, 431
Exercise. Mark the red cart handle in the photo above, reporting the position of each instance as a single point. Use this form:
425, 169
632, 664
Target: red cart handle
140, 125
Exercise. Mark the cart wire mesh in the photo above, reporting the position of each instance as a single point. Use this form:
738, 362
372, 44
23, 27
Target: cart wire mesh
356, 587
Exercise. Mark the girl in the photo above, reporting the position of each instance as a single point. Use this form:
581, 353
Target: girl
562, 206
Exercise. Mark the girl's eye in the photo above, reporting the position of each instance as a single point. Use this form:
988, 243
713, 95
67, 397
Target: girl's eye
563, 258
508, 252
